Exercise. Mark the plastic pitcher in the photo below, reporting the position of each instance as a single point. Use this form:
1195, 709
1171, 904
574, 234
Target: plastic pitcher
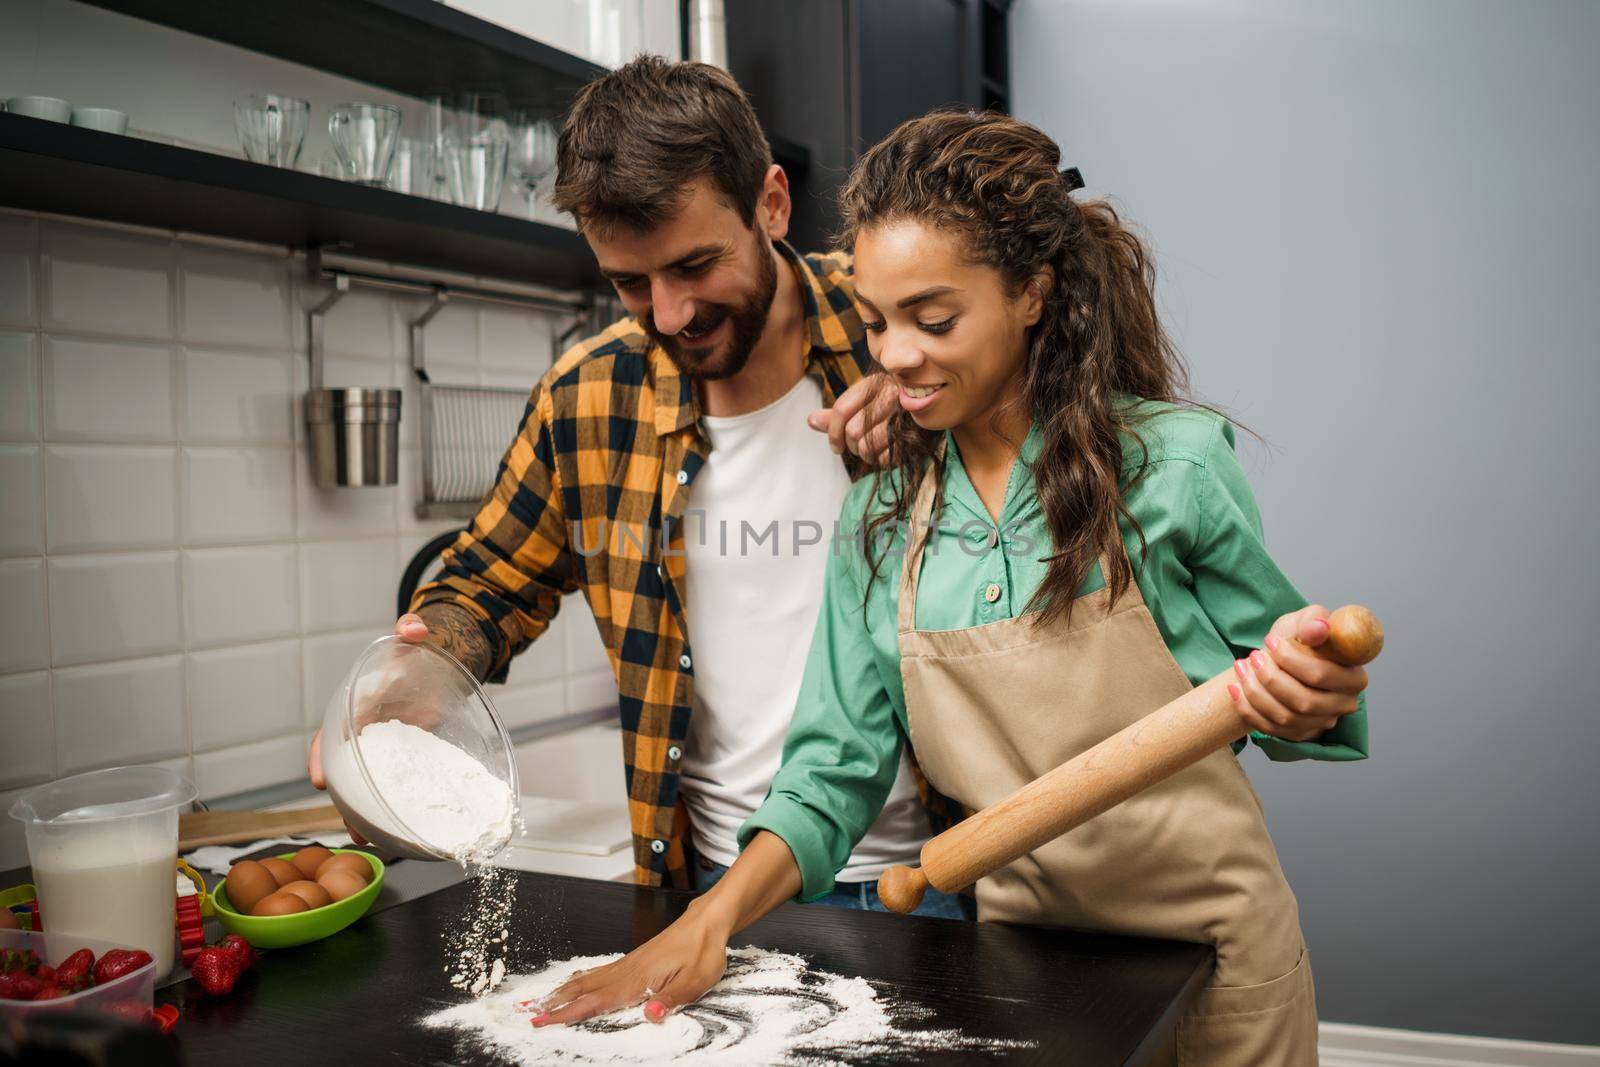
104, 851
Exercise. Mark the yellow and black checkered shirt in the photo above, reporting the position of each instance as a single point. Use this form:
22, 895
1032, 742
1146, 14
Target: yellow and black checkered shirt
590, 493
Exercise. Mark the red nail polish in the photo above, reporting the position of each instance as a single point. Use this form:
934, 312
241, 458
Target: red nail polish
655, 1011
1257, 660
1238, 668
1233, 691
539, 1018
1272, 642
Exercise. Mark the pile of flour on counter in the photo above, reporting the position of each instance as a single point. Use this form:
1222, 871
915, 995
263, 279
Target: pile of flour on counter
769, 1008
455, 805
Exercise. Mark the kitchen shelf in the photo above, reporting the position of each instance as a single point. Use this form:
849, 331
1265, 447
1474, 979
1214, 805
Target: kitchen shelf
415, 47
49, 166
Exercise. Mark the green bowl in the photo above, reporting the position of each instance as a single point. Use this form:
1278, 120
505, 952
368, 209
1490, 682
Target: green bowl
282, 931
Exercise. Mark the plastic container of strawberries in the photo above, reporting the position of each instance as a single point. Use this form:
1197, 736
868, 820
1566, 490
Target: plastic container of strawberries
131, 995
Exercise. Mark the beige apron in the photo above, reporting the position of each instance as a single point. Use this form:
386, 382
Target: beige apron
993, 707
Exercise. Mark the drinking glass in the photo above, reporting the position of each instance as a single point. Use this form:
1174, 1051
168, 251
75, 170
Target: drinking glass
271, 128
417, 168
477, 170
364, 135
533, 152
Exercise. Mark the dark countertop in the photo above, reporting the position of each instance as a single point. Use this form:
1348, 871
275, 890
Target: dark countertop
356, 997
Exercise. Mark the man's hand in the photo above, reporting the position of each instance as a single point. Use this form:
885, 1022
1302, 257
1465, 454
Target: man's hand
408, 628
859, 419
1286, 691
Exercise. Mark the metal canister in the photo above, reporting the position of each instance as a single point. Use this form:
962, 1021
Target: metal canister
355, 436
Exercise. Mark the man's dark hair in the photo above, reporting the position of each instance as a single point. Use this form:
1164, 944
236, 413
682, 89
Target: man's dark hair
637, 136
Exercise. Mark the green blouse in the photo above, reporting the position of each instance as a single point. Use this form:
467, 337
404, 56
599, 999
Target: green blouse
1207, 579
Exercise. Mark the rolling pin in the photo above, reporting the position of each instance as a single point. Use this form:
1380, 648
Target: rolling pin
1174, 736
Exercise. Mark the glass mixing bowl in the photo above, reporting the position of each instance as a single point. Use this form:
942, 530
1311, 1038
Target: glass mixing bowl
427, 687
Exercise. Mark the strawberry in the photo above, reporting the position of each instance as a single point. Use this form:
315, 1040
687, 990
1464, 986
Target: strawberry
241, 948
50, 992
165, 1017
19, 985
216, 969
76, 970
118, 962
45, 973
19, 959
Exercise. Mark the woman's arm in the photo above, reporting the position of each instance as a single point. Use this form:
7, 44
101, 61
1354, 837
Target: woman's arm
1298, 705
839, 764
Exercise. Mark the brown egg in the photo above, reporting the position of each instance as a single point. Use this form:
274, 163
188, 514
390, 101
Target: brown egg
341, 884
307, 860
347, 861
313, 894
282, 902
8, 921
283, 872
248, 881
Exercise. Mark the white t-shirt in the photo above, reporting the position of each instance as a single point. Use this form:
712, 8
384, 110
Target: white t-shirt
770, 485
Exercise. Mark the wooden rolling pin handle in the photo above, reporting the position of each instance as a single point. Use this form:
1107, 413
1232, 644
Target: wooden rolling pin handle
1175, 736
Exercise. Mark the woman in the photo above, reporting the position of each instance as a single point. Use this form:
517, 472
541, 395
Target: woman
1043, 425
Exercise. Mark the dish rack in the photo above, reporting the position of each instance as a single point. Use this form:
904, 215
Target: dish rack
464, 428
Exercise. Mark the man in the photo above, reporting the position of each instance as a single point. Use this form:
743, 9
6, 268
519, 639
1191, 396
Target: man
664, 469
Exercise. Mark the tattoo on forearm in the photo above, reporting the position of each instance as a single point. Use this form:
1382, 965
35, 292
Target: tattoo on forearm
457, 631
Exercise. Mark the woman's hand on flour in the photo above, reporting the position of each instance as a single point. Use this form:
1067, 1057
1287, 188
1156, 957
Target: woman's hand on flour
674, 968
681, 963
1287, 692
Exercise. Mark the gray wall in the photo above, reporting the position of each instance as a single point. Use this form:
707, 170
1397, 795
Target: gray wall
1380, 248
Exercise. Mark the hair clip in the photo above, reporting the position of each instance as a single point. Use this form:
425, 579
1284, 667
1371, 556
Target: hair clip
1073, 177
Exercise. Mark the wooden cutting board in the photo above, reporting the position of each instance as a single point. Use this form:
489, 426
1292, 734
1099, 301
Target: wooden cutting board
231, 827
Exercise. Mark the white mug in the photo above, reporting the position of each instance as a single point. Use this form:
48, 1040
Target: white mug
40, 107
104, 119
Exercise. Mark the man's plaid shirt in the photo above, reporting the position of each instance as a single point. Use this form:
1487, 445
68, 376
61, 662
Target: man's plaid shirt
601, 468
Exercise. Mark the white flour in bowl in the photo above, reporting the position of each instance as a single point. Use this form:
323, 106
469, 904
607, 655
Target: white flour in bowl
770, 1008
441, 793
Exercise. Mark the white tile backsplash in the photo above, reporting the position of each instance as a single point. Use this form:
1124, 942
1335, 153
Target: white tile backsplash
19, 383
22, 489
234, 595
19, 270
345, 584
243, 693
177, 591
103, 280
29, 752
252, 766
103, 390
24, 639
114, 713
238, 495
238, 397
449, 339
512, 340
101, 498
327, 658
358, 325
110, 607
234, 299
342, 512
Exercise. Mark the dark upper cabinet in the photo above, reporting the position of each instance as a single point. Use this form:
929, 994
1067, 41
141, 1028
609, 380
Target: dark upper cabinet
834, 76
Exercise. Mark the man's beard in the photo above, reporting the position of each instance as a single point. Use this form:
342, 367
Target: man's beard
748, 321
